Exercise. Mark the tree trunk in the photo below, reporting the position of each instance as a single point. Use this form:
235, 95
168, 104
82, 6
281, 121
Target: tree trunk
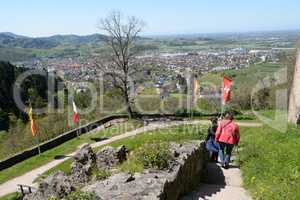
128, 106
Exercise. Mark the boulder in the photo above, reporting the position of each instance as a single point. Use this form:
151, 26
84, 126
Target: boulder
85, 155
84, 161
121, 153
105, 158
57, 185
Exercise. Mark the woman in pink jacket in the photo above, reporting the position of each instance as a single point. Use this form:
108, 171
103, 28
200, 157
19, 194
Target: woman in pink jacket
227, 135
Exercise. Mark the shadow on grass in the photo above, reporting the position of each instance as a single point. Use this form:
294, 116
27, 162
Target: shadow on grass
60, 157
99, 139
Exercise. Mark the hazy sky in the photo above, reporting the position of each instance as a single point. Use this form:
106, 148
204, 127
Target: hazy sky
49, 17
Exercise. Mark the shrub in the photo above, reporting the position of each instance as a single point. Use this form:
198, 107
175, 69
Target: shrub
155, 155
132, 166
101, 174
79, 195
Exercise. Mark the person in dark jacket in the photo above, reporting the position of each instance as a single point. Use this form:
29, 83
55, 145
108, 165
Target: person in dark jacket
211, 145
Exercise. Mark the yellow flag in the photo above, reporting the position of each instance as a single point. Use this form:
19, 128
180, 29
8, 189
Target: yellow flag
196, 90
32, 122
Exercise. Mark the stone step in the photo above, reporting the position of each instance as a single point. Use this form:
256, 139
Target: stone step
217, 192
216, 175
220, 184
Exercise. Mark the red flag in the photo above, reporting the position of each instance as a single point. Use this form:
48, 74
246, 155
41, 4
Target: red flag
226, 89
75, 114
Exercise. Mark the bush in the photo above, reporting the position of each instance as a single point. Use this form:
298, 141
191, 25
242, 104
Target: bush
101, 174
155, 155
132, 166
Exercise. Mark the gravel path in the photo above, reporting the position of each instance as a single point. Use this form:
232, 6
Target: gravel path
28, 178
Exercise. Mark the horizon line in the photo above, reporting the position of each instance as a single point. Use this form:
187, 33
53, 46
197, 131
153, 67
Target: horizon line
163, 34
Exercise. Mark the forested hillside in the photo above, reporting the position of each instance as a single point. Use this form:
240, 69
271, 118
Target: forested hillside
10, 40
29, 90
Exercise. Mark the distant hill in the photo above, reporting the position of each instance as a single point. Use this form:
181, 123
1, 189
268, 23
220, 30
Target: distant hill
11, 40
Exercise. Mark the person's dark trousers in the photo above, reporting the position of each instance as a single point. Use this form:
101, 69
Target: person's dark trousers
225, 153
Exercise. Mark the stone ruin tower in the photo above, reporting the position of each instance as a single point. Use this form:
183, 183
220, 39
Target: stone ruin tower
294, 102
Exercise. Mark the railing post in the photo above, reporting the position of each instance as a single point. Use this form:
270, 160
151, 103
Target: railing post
22, 191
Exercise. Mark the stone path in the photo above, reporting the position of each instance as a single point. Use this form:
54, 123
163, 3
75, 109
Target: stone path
220, 184
28, 178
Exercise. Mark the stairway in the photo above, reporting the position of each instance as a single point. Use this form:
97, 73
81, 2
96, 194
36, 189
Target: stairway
220, 184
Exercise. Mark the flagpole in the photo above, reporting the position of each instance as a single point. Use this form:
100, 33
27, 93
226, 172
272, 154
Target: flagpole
222, 110
77, 130
38, 142
191, 104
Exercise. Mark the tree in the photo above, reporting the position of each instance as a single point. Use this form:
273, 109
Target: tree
122, 36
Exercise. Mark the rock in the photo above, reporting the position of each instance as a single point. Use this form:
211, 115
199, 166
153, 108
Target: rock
57, 185
85, 154
130, 178
109, 157
84, 161
116, 187
106, 159
121, 153
81, 173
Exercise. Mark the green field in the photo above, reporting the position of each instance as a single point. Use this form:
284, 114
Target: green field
270, 163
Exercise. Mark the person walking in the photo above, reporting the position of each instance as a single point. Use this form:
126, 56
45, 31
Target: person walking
227, 135
211, 145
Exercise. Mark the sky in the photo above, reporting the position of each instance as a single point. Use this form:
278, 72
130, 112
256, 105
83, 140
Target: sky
162, 17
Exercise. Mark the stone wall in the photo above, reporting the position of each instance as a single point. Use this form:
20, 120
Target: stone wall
182, 176
188, 173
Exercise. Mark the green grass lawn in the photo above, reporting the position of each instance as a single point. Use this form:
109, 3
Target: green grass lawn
271, 163
63, 149
12, 196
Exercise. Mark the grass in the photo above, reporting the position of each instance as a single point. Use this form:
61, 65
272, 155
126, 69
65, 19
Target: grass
63, 149
12, 196
270, 163
179, 134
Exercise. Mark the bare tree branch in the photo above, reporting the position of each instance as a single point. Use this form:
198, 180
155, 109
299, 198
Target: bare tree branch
123, 34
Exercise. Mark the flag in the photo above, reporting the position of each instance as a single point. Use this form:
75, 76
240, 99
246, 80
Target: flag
75, 114
226, 90
32, 122
196, 90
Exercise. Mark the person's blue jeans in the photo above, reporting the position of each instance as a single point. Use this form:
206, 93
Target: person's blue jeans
225, 153
212, 146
